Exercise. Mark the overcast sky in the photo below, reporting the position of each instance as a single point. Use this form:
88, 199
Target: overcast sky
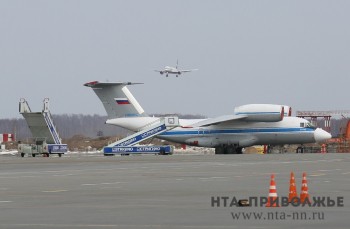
285, 52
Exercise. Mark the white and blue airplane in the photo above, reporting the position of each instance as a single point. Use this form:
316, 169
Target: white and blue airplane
174, 70
252, 124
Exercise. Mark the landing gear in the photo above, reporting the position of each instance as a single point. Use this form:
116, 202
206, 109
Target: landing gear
239, 150
230, 149
219, 150
269, 149
300, 149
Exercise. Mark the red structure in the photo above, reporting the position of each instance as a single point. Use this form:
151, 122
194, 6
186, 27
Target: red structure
7, 137
326, 115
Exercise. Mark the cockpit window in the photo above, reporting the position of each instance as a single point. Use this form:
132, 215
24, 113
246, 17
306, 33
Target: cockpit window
307, 125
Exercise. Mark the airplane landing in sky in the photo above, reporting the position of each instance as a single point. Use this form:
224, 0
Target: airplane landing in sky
174, 70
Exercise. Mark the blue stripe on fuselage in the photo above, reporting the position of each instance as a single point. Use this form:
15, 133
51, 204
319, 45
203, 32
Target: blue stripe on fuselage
236, 131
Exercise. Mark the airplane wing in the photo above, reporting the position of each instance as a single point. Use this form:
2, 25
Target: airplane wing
218, 120
189, 70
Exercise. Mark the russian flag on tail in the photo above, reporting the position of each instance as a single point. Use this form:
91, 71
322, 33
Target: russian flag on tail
122, 101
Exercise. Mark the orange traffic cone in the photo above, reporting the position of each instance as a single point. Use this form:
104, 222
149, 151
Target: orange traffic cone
292, 189
272, 193
304, 190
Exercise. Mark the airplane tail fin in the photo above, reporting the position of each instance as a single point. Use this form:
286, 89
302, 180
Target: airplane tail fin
117, 99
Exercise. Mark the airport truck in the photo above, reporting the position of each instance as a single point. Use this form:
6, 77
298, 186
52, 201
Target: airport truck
127, 150
40, 146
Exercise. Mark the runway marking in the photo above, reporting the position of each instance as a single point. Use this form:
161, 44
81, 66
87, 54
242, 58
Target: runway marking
112, 183
207, 178
6, 201
52, 191
346, 173
106, 183
317, 175
48, 225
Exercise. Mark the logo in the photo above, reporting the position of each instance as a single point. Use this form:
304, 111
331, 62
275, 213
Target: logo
291, 207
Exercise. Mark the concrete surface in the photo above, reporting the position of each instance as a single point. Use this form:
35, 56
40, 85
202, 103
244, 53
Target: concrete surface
92, 191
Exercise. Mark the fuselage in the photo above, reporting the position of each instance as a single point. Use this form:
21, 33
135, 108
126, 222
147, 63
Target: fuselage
171, 70
249, 124
291, 130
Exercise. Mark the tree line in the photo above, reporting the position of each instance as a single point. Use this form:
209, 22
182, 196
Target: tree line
69, 125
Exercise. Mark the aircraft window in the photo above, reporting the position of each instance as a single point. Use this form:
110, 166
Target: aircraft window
309, 125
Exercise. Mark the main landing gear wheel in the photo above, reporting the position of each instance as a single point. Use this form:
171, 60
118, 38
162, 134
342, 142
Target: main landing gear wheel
239, 150
300, 149
219, 150
228, 150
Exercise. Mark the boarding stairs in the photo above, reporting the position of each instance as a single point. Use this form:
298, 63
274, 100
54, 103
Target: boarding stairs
148, 131
40, 124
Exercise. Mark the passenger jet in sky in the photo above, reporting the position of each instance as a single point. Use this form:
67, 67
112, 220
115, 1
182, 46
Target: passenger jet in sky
173, 70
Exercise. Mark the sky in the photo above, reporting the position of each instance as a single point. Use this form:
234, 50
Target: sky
294, 53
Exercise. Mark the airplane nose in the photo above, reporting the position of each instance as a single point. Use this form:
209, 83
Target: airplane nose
321, 135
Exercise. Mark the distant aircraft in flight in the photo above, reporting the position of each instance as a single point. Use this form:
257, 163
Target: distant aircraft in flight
174, 70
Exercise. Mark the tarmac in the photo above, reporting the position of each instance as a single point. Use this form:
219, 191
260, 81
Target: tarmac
93, 191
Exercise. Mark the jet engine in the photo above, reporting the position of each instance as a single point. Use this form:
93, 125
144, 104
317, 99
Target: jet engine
262, 112
287, 111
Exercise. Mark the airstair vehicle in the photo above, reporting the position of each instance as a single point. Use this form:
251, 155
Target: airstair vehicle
127, 146
46, 139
